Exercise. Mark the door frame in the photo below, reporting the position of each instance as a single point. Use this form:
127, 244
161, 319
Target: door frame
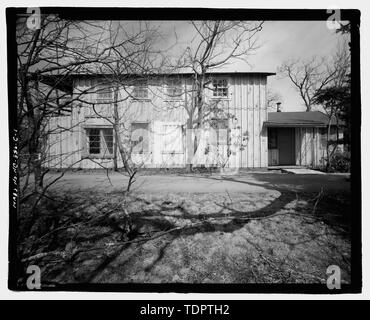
275, 150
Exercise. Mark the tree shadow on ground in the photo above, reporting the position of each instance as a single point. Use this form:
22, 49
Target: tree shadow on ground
154, 220
336, 199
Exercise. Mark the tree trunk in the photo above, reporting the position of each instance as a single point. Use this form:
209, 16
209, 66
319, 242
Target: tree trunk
37, 169
328, 153
189, 145
116, 122
125, 158
198, 106
34, 140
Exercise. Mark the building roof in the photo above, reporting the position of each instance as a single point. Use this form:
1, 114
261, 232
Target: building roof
299, 119
96, 71
65, 81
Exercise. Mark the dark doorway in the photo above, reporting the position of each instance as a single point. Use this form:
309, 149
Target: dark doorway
286, 146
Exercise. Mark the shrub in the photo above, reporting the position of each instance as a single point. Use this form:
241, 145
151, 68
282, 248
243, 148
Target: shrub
340, 162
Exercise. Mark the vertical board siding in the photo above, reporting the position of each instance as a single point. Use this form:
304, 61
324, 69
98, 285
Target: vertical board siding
263, 114
250, 122
247, 101
307, 146
256, 125
239, 114
304, 146
244, 117
298, 141
310, 146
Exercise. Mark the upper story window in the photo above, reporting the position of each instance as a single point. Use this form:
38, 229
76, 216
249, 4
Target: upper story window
174, 89
220, 88
141, 90
104, 93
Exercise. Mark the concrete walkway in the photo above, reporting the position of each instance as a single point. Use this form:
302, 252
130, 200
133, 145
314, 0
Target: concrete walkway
188, 183
302, 171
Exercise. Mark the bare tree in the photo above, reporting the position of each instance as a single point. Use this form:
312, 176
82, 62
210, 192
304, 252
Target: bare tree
335, 100
131, 58
215, 44
310, 76
53, 51
47, 58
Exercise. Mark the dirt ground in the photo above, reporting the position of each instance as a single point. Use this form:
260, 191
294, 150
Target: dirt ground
200, 183
258, 228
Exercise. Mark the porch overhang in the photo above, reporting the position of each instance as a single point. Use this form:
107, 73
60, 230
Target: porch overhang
302, 119
270, 124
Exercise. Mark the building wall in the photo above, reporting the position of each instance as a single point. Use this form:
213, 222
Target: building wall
307, 146
246, 101
311, 145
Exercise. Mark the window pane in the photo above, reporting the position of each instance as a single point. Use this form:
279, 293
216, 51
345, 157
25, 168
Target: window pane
220, 88
174, 88
108, 138
94, 141
100, 141
141, 90
105, 93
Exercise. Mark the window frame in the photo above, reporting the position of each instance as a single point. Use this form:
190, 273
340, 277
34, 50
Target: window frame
170, 84
103, 88
216, 88
104, 152
138, 87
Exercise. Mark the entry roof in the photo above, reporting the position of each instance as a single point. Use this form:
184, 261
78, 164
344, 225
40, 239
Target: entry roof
299, 119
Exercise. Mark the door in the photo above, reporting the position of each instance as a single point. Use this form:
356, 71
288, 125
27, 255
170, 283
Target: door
172, 148
286, 146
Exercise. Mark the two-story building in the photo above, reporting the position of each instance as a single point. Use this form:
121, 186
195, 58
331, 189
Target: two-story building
154, 112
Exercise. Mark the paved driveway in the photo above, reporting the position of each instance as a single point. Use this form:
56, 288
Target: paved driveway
173, 183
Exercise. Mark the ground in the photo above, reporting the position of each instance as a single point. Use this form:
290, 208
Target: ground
204, 228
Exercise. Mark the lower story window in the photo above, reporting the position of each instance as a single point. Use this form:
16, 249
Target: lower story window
99, 141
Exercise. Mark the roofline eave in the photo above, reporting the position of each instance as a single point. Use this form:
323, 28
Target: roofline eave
294, 125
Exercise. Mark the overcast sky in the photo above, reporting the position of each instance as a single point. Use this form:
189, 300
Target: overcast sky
279, 41
282, 40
